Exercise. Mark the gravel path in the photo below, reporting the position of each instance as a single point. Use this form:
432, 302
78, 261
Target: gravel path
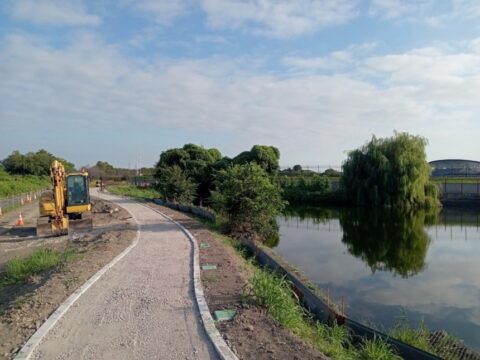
142, 308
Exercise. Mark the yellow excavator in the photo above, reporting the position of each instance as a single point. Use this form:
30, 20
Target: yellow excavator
67, 206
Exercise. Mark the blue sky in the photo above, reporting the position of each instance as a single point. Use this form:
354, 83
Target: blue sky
124, 80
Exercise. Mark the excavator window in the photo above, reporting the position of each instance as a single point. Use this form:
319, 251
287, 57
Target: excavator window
77, 190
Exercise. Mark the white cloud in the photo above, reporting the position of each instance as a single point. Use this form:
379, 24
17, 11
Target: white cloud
53, 12
434, 13
337, 60
278, 18
467, 8
163, 12
334, 61
428, 66
390, 9
214, 39
429, 92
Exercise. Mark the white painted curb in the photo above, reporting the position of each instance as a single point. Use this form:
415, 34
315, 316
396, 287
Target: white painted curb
32, 343
219, 343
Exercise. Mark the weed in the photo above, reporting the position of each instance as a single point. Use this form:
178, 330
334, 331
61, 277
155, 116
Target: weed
20, 269
17, 304
276, 295
376, 349
418, 337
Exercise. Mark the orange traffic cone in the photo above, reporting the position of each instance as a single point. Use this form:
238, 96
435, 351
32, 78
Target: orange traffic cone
20, 220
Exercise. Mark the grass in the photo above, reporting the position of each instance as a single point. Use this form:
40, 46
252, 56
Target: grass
20, 269
16, 184
417, 337
376, 349
275, 294
134, 191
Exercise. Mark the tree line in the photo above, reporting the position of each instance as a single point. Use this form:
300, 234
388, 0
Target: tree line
249, 191
244, 190
33, 163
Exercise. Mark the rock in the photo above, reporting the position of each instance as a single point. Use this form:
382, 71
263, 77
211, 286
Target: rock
248, 328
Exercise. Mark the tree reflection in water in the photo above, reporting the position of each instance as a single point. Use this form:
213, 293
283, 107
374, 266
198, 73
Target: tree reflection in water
388, 240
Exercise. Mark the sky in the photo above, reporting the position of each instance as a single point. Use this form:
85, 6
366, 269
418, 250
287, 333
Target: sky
123, 80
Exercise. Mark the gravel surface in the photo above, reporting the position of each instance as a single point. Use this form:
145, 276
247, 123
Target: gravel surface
142, 308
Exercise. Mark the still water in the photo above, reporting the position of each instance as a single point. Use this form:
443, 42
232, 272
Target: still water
388, 264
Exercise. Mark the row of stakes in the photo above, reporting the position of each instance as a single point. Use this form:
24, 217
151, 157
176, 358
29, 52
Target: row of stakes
220, 315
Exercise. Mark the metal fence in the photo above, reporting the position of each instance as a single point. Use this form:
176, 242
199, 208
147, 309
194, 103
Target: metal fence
460, 189
15, 201
314, 168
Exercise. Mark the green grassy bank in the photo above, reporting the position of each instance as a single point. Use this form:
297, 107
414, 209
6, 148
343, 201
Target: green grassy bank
18, 184
134, 192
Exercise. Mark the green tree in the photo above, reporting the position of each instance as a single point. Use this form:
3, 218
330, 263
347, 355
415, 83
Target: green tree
305, 189
105, 167
198, 165
249, 200
37, 163
175, 186
266, 156
391, 172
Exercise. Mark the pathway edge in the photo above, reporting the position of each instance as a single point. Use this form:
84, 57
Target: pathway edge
223, 350
27, 349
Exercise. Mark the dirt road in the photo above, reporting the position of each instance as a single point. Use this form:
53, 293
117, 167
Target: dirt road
142, 308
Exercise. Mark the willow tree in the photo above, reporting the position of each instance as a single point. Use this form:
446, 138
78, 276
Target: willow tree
390, 172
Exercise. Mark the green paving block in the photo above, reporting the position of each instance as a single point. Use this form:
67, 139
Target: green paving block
204, 246
224, 315
209, 267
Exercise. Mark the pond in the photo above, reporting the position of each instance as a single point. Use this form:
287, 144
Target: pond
389, 265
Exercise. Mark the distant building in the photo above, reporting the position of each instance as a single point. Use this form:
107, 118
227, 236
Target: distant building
455, 167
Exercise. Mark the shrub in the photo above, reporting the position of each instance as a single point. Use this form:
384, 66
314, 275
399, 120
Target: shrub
248, 199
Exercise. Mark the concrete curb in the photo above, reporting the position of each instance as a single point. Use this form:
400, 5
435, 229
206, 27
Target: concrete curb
223, 351
35, 339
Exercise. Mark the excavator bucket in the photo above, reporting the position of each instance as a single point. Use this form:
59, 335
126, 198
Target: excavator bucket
45, 227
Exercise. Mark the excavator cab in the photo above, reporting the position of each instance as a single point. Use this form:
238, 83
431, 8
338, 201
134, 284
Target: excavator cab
77, 191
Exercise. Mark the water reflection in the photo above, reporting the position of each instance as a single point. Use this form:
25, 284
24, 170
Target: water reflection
387, 240
385, 263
